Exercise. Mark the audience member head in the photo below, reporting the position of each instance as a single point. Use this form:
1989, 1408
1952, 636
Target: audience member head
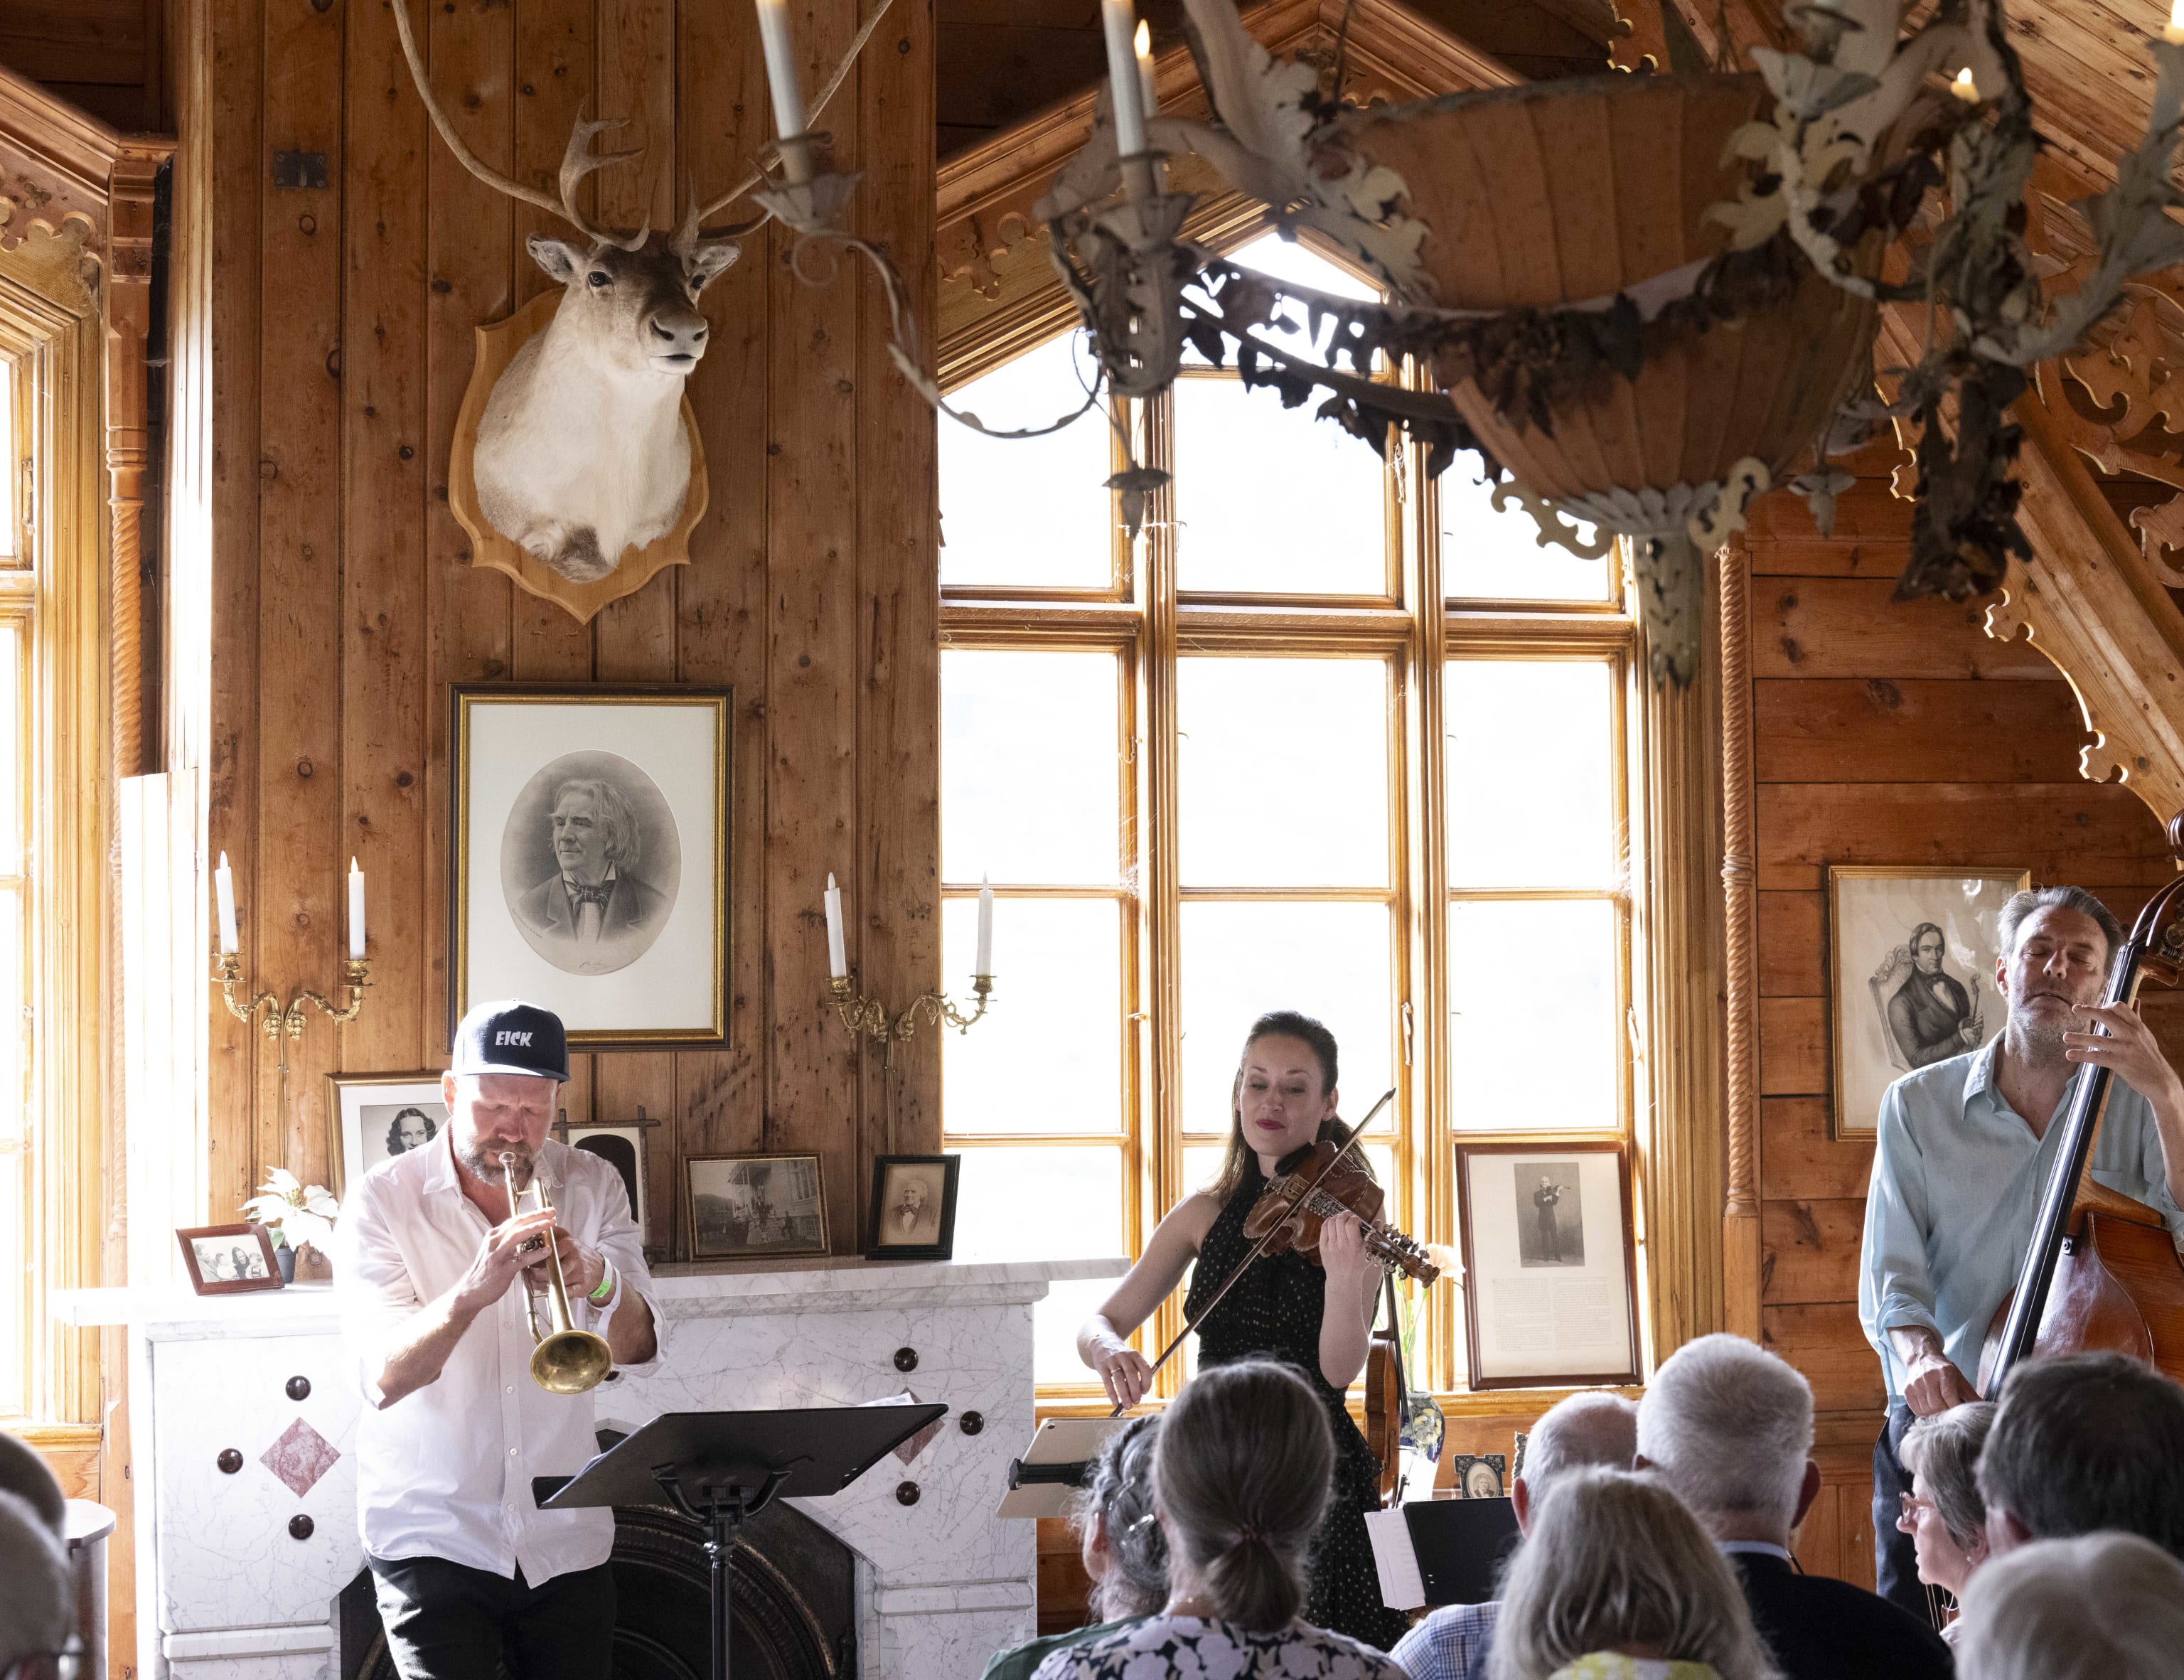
1578, 1430
23, 1474
2084, 1441
1946, 1519
1614, 1563
1239, 1477
2101, 1607
1729, 1428
1124, 1552
37, 1612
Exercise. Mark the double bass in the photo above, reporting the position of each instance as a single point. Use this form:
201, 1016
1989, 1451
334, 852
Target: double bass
2102, 1272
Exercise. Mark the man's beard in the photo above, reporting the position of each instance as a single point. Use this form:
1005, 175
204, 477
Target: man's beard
483, 1157
2038, 1037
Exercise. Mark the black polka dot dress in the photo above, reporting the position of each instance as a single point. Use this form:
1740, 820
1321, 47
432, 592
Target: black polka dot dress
1274, 1310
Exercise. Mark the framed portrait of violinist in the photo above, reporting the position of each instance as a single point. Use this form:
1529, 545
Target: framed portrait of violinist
1548, 1249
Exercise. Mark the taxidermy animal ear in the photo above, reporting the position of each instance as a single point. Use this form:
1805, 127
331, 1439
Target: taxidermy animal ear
558, 257
712, 259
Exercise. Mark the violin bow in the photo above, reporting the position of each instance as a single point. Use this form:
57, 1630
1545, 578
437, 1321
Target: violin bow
1258, 1248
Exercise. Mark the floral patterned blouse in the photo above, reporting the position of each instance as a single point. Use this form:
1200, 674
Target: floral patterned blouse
1193, 1648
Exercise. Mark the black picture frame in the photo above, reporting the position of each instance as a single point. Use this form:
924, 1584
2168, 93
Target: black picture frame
900, 1172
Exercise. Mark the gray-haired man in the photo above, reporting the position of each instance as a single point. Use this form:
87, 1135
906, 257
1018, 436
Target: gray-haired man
1583, 1429
1964, 1149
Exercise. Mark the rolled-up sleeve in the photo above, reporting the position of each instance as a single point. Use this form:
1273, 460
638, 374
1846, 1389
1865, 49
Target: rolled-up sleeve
1895, 1288
372, 1285
619, 1240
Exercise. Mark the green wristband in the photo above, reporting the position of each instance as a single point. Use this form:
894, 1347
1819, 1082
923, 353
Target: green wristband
605, 1292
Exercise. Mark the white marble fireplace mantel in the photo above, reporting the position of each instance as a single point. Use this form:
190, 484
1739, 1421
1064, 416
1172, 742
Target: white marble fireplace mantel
226, 1592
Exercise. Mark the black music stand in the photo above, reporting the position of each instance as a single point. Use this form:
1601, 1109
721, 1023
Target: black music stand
718, 1467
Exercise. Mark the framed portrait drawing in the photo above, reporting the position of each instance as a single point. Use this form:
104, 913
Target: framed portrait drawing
229, 1259
591, 858
1546, 1239
372, 1118
753, 1206
1911, 956
913, 1213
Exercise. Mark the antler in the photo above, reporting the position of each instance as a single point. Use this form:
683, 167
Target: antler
576, 161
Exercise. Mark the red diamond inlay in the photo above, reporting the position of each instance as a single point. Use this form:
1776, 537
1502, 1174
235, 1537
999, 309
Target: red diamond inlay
300, 1457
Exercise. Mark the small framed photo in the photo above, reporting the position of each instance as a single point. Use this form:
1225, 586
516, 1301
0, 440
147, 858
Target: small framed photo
621, 1144
753, 1206
590, 838
1547, 1248
913, 1215
229, 1259
1911, 957
372, 1118
1480, 1476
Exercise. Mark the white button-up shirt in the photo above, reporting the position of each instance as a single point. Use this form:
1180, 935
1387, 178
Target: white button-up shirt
446, 1472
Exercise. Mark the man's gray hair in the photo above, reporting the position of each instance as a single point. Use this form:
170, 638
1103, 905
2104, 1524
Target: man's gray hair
2102, 1607
612, 812
1590, 1428
2021, 906
1729, 1427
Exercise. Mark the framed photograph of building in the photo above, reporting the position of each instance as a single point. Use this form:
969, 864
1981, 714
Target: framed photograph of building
591, 858
1911, 957
372, 1118
229, 1259
1548, 1249
753, 1206
913, 1212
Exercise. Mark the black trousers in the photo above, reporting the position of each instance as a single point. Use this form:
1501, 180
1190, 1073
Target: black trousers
448, 1621
1895, 1558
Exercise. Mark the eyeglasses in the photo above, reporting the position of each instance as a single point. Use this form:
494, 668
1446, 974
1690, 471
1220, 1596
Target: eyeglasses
1909, 1505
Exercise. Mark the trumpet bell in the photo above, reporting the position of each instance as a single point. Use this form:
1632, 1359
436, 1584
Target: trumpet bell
570, 1362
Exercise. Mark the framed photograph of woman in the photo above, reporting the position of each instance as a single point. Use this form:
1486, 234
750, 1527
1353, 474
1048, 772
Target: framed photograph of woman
372, 1118
591, 858
229, 1259
1911, 955
1547, 1248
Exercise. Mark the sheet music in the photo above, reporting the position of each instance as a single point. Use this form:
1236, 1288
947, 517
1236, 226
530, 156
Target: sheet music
1402, 1586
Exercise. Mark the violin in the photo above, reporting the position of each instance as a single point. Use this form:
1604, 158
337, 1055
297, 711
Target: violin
1326, 1184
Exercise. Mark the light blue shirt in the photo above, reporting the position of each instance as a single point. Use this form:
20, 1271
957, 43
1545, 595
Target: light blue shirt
1450, 1644
1957, 1178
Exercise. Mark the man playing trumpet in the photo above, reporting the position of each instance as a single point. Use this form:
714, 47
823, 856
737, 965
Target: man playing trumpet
468, 1570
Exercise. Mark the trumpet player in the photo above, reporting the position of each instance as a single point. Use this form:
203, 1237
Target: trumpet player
440, 1280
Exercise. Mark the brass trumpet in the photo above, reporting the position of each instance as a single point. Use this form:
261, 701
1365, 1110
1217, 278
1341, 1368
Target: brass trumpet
569, 1361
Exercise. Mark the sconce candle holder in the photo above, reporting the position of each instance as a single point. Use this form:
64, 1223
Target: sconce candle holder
286, 1020
869, 1017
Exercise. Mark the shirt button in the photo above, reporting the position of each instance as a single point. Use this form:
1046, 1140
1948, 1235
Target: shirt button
511, 1452
512, 1388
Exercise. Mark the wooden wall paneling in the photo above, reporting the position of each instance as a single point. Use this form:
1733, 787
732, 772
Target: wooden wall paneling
291, 876
1826, 1344
1874, 729
898, 597
1849, 627
1801, 1159
385, 693
235, 209
1793, 1047
722, 614
1812, 1249
1792, 944
470, 50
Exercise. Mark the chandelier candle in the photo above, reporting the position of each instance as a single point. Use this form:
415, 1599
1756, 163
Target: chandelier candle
2174, 34
1117, 19
788, 91
1149, 95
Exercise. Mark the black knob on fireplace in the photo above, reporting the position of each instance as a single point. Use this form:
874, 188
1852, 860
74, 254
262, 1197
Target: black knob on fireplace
228, 1461
299, 1387
905, 1493
971, 1422
300, 1527
906, 1358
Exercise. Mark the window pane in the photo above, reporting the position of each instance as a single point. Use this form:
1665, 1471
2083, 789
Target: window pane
1330, 961
1060, 960
1531, 774
1028, 511
1496, 555
1269, 500
1284, 771
1535, 1041
1029, 767
1044, 1204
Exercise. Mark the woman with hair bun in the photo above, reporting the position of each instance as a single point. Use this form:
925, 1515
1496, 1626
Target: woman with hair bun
1240, 1479
1316, 1318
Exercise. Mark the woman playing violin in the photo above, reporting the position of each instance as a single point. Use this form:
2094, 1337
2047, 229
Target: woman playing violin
1317, 1319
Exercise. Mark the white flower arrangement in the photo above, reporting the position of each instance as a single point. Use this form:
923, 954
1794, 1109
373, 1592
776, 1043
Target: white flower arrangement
303, 1213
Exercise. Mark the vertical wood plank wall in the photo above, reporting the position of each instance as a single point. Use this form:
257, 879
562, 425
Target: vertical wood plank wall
1883, 734
341, 323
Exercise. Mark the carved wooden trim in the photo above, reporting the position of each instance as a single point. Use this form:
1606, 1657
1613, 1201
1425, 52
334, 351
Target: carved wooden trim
1740, 1244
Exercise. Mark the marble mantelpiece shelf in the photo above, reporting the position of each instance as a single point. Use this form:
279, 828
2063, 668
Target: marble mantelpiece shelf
699, 1291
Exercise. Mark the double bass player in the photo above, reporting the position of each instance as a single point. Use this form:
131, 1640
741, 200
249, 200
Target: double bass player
1964, 1150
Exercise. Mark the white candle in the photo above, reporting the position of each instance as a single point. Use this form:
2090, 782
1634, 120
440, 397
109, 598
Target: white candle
2174, 34
223, 885
1148, 94
1963, 87
985, 965
1118, 19
838, 956
356, 912
781, 77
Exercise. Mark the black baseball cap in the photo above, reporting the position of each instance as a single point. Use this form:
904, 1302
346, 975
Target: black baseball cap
509, 1037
